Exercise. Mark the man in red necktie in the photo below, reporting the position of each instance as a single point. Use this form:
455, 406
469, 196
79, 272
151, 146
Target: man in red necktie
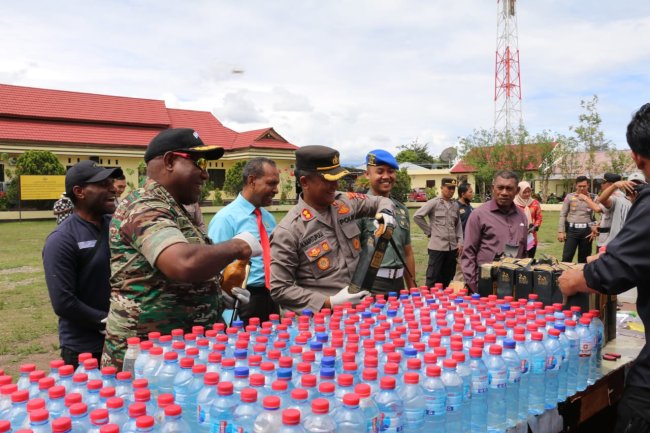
247, 214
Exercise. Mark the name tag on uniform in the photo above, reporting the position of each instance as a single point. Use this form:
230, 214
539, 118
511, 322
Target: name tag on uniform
86, 244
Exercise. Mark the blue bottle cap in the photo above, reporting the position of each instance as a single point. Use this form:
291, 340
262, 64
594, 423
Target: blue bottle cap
403, 296
241, 353
284, 373
409, 351
391, 313
316, 346
509, 343
241, 371
328, 362
238, 323
327, 373
307, 312
476, 296
322, 337
392, 294
560, 327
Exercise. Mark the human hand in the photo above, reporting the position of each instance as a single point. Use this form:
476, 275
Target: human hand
570, 281
252, 242
386, 219
594, 257
344, 296
561, 236
625, 185
242, 294
460, 250
594, 233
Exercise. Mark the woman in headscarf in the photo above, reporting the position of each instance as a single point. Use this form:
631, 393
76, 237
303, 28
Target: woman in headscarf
533, 212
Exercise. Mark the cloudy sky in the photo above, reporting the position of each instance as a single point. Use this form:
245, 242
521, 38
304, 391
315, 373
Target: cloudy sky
355, 75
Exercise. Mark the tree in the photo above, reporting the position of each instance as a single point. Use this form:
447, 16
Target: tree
619, 161
34, 162
589, 136
234, 178
415, 153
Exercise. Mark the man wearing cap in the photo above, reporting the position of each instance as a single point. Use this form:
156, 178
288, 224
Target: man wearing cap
606, 218
247, 213
315, 248
76, 260
618, 205
624, 265
381, 171
445, 232
577, 225
163, 265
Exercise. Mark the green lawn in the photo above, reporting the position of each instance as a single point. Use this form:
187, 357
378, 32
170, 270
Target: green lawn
27, 324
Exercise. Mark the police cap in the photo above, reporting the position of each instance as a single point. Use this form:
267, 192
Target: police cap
322, 160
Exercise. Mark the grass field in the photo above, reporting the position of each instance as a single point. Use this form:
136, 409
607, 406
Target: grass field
28, 327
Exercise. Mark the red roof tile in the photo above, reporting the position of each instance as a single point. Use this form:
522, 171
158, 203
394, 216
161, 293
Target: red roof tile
30, 102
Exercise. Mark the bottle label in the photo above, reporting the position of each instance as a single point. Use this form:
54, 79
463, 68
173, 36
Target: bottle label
497, 379
435, 405
514, 374
373, 425
585, 348
552, 363
538, 365
524, 366
221, 427
391, 422
454, 401
202, 415
479, 384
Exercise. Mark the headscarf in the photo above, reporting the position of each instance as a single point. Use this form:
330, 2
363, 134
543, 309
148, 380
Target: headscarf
523, 203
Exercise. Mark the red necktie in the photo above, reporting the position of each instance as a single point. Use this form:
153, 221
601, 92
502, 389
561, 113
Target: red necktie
266, 248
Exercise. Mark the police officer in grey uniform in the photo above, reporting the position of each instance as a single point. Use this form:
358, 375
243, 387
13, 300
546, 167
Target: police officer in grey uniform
381, 171
577, 225
606, 217
445, 233
315, 248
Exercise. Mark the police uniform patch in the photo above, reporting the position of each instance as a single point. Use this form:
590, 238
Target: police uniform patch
313, 252
325, 246
356, 244
306, 215
356, 195
343, 209
323, 263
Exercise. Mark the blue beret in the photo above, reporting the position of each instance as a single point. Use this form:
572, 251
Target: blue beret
381, 157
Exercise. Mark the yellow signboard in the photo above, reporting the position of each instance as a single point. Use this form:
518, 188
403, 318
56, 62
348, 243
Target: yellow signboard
41, 187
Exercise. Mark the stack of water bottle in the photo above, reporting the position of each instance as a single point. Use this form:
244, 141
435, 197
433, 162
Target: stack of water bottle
426, 360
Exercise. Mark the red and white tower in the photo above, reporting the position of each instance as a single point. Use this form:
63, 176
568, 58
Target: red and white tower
507, 80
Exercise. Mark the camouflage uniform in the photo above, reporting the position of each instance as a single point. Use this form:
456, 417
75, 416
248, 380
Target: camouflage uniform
143, 299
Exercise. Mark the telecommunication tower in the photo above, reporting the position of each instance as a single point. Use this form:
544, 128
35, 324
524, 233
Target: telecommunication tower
507, 80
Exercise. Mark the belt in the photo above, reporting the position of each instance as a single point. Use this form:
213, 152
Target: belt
578, 225
390, 273
604, 229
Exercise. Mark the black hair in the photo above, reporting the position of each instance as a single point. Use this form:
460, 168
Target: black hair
506, 174
120, 177
463, 188
638, 132
255, 167
582, 179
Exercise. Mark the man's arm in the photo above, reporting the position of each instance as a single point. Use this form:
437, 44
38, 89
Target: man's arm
459, 235
60, 266
285, 261
605, 196
561, 235
419, 217
470, 251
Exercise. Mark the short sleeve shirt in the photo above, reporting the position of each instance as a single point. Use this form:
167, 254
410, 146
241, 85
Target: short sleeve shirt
143, 299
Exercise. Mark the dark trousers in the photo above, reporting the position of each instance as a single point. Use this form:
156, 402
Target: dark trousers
633, 411
261, 305
71, 357
386, 285
531, 252
577, 239
441, 267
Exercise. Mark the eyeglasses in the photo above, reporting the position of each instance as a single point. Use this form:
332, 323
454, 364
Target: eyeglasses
201, 163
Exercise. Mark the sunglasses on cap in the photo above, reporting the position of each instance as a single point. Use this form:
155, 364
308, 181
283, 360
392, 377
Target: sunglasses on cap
201, 163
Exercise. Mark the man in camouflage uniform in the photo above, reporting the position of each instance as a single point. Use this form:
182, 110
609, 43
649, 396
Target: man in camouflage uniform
315, 248
163, 265
381, 171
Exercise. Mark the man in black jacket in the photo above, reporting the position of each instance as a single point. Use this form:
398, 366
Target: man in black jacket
76, 259
626, 264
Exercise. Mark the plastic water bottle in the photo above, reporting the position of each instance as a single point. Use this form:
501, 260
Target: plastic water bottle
223, 406
454, 388
291, 422
554, 353
91, 367
369, 408
415, 406
537, 379
167, 374
574, 357
98, 418
246, 412
598, 330
164, 400
480, 387
182, 382
141, 360
56, 401
465, 373
514, 371
586, 339
154, 363
123, 388
174, 422
144, 396
117, 413
390, 405
524, 389
497, 390
319, 421
270, 419
34, 377
204, 401
300, 401
59, 425
18, 412
131, 354
92, 398
145, 424
39, 421
349, 417
564, 366
79, 417
136, 410
5, 399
